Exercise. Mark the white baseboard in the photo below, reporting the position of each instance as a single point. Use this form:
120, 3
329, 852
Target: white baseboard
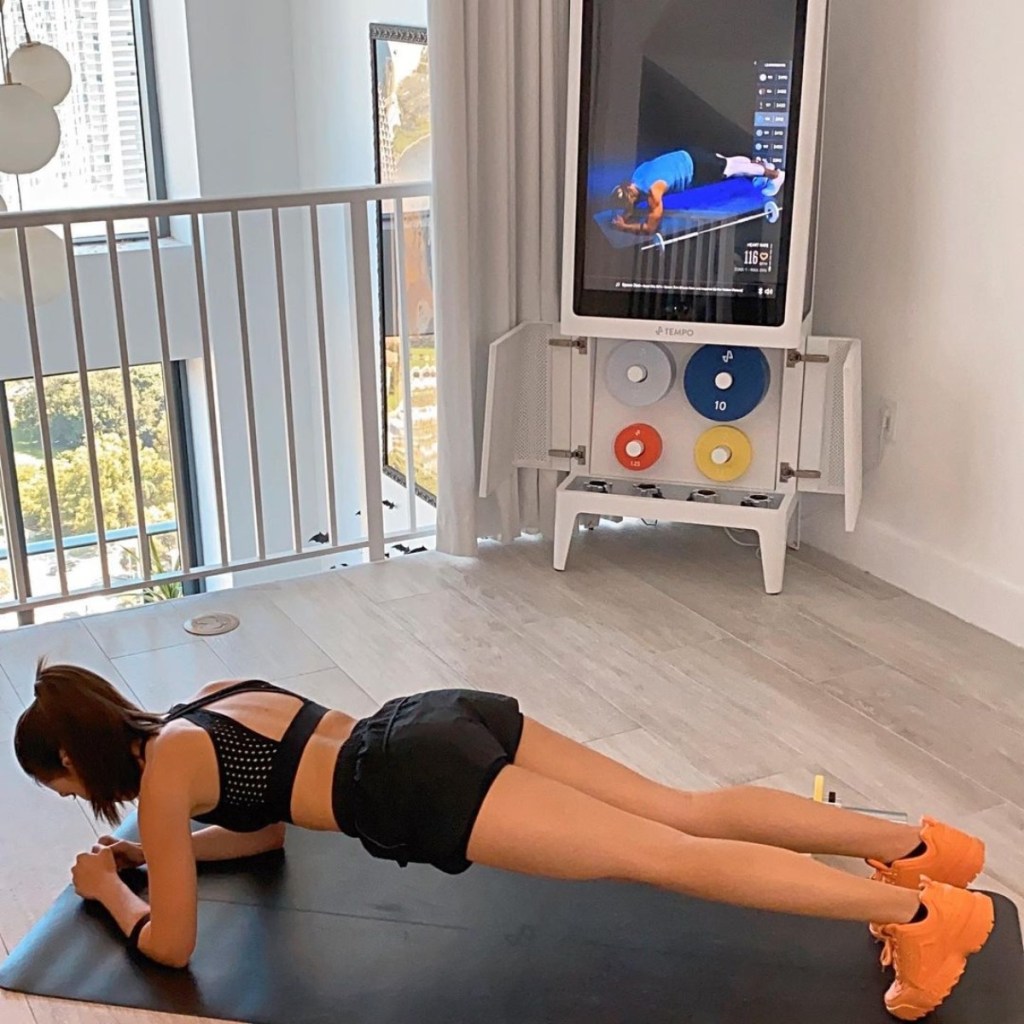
977, 597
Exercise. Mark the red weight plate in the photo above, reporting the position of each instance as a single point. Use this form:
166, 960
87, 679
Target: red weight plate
638, 447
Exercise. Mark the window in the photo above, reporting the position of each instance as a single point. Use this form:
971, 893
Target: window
110, 140
166, 529
401, 84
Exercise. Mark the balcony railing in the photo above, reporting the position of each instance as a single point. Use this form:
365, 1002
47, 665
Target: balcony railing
268, 305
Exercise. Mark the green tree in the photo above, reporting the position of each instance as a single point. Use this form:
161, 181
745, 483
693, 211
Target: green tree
131, 562
74, 488
66, 416
414, 103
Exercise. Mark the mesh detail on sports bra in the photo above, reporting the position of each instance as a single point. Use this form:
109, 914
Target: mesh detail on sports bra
246, 759
256, 772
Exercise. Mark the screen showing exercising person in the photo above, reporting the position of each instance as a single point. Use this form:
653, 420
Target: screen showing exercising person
688, 141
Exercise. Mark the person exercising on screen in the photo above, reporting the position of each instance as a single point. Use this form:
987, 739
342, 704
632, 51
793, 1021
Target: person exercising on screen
676, 172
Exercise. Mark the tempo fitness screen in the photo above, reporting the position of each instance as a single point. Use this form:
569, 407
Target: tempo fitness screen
689, 114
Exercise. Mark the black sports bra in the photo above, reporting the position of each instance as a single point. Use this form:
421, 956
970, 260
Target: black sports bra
256, 773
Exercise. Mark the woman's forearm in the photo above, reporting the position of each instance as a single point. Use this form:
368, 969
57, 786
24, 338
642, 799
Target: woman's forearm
127, 910
123, 905
647, 227
215, 843
208, 844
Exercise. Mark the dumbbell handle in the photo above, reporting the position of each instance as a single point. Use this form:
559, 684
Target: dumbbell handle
871, 811
819, 797
898, 816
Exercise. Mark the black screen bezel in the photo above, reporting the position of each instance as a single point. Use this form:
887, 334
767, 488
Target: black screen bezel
681, 305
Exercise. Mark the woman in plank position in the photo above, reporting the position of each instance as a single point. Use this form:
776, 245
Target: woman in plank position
642, 197
455, 777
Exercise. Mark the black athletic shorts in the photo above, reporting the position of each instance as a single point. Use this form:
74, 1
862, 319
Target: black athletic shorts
410, 780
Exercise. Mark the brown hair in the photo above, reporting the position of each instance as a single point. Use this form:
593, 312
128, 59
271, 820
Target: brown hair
77, 713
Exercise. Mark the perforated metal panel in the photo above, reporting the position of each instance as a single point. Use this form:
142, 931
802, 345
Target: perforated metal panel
832, 427
529, 402
853, 430
833, 463
532, 375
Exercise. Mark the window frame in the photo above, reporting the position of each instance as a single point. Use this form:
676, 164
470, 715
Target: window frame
416, 36
188, 522
152, 136
149, 105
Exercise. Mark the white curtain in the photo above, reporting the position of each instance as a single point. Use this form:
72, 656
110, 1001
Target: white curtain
498, 95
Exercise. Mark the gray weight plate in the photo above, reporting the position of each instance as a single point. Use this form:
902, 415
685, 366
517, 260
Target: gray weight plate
640, 373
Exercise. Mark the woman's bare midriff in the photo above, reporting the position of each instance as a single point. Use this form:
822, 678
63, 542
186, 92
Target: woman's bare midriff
270, 714
312, 805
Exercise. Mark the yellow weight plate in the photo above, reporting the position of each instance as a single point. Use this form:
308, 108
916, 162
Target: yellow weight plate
723, 454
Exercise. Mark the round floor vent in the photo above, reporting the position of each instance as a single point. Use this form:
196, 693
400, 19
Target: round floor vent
215, 624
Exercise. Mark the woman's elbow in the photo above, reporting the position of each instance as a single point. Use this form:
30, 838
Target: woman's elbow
177, 961
276, 836
176, 956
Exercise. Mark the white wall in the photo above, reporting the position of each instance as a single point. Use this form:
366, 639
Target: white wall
333, 87
244, 95
921, 257
55, 324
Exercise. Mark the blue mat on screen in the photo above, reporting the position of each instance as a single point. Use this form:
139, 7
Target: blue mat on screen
692, 210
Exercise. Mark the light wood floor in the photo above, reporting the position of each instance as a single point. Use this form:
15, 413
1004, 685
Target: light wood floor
658, 647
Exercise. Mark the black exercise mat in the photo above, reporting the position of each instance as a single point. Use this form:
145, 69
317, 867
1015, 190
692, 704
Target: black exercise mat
326, 934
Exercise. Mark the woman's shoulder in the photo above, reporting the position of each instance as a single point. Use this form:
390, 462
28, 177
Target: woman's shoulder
174, 758
177, 740
211, 688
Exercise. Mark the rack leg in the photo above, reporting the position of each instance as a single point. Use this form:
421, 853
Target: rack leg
565, 527
774, 546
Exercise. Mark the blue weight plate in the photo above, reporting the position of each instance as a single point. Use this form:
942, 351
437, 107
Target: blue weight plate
726, 384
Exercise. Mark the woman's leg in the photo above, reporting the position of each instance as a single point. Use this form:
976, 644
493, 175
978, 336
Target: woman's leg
537, 826
744, 813
708, 168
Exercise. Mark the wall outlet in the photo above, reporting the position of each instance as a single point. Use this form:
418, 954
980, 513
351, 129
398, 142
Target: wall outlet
887, 422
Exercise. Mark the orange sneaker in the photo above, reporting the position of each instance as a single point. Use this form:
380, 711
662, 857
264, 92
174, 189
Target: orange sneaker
930, 956
950, 856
